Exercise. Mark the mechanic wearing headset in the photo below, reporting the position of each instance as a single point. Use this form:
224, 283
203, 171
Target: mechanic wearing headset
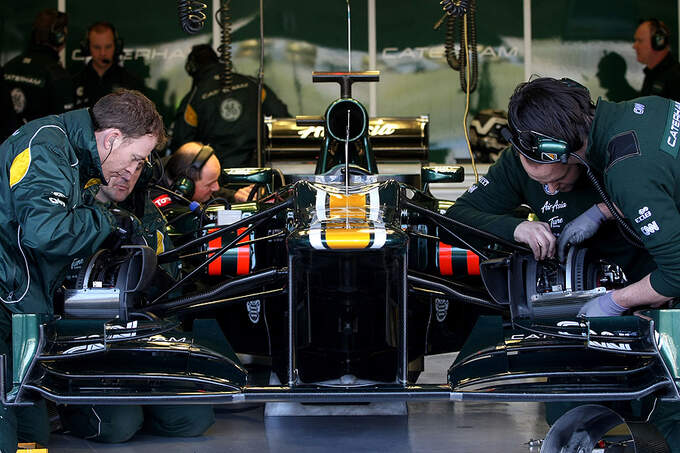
556, 193
35, 80
47, 221
662, 70
227, 121
634, 146
191, 174
113, 424
189, 178
102, 74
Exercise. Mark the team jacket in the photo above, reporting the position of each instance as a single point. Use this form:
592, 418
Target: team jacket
38, 85
635, 144
227, 122
489, 205
89, 87
663, 80
46, 221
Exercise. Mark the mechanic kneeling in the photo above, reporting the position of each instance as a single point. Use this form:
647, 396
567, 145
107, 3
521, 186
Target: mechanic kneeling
114, 424
47, 222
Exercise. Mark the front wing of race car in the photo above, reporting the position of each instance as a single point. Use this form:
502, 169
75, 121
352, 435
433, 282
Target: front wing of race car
148, 362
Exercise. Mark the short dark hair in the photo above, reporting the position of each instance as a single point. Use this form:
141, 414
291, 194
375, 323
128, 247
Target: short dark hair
49, 27
200, 56
130, 112
559, 108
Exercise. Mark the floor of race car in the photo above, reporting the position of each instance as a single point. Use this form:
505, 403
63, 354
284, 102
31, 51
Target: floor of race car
429, 427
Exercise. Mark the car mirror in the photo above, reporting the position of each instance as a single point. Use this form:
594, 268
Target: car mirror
247, 176
441, 173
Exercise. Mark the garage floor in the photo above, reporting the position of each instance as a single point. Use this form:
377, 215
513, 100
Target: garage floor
429, 427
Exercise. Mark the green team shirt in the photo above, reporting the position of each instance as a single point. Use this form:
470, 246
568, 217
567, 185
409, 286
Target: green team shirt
489, 205
46, 221
635, 145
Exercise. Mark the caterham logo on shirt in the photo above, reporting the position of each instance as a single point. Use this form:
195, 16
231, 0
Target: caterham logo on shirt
670, 137
552, 207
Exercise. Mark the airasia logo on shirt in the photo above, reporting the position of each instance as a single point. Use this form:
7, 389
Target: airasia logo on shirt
552, 207
162, 201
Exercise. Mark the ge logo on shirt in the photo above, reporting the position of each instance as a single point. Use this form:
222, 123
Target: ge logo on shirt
230, 109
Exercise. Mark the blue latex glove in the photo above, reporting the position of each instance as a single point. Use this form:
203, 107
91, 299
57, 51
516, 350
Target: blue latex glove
578, 230
603, 305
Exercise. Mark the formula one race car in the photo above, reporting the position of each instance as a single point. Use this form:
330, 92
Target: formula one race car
345, 279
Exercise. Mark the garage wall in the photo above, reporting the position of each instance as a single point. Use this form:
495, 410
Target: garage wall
569, 38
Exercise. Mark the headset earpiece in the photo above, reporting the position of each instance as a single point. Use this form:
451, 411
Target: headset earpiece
660, 35
184, 186
536, 147
57, 34
553, 146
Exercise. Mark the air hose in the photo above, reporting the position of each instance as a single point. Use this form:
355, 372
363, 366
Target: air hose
191, 15
455, 8
223, 18
458, 62
626, 231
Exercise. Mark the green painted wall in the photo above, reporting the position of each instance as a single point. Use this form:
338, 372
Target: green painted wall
570, 38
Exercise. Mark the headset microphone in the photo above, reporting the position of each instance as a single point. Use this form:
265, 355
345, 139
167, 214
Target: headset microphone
195, 206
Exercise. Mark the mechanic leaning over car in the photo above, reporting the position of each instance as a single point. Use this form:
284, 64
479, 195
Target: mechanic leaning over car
634, 146
114, 424
47, 221
492, 205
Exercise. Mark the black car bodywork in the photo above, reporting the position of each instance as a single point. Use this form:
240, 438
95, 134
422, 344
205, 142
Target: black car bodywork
346, 280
